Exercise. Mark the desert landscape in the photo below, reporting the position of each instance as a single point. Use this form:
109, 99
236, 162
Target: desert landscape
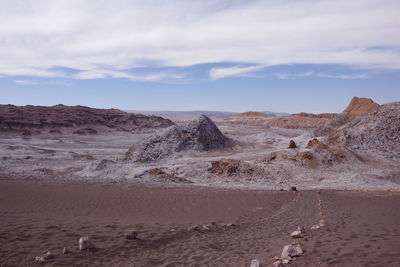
104, 187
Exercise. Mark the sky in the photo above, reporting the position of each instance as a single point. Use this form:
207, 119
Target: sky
237, 55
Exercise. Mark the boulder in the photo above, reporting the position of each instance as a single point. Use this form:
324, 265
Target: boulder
86, 244
298, 233
47, 256
254, 263
292, 144
130, 235
292, 250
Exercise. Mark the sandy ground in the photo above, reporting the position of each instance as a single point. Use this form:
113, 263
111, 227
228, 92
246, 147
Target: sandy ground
362, 229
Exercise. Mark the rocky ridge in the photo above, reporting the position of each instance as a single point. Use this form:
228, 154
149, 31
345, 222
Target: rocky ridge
39, 118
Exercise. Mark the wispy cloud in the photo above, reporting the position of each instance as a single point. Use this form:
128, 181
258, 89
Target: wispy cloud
235, 71
101, 73
37, 37
25, 82
282, 75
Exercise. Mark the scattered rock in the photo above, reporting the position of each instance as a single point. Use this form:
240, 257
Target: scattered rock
255, 263
286, 261
293, 189
292, 144
212, 226
162, 175
292, 250
298, 233
86, 244
320, 224
277, 263
229, 225
45, 257
65, 250
130, 235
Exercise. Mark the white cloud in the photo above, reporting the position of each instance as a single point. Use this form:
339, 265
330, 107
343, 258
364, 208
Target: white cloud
235, 71
38, 36
282, 75
25, 82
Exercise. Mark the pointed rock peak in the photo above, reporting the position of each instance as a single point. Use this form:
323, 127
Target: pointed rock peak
360, 106
200, 134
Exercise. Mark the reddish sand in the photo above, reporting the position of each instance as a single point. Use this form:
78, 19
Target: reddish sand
363, 229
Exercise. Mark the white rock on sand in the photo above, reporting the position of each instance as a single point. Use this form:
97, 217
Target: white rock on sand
292, 250
85, 243
255, 263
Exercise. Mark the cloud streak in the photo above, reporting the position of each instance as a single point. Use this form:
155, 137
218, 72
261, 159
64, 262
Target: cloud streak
283, 75
109, 39
235, 71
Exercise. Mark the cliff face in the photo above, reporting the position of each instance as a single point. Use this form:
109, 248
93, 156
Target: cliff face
360, 106
17, 118
376, 131
357, 108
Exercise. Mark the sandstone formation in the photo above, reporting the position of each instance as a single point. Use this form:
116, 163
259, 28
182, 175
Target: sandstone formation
301, 121
376, 131
356, 108
360, 106
252, 114
33, 118
200, 134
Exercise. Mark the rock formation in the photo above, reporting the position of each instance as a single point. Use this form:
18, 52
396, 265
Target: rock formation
292, 144
301, 121
360, 106
200, 134
377, 131
356, 108
25, 118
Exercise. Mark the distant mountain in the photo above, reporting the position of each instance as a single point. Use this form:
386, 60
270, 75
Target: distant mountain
185, 115
276, 113
189, 115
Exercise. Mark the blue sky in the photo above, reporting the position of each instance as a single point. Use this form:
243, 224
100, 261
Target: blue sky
290, 56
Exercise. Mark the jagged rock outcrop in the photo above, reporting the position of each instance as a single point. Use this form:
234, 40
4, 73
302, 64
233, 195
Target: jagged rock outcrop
22, 118
377, 131
200, 134
360, 106
356, 108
